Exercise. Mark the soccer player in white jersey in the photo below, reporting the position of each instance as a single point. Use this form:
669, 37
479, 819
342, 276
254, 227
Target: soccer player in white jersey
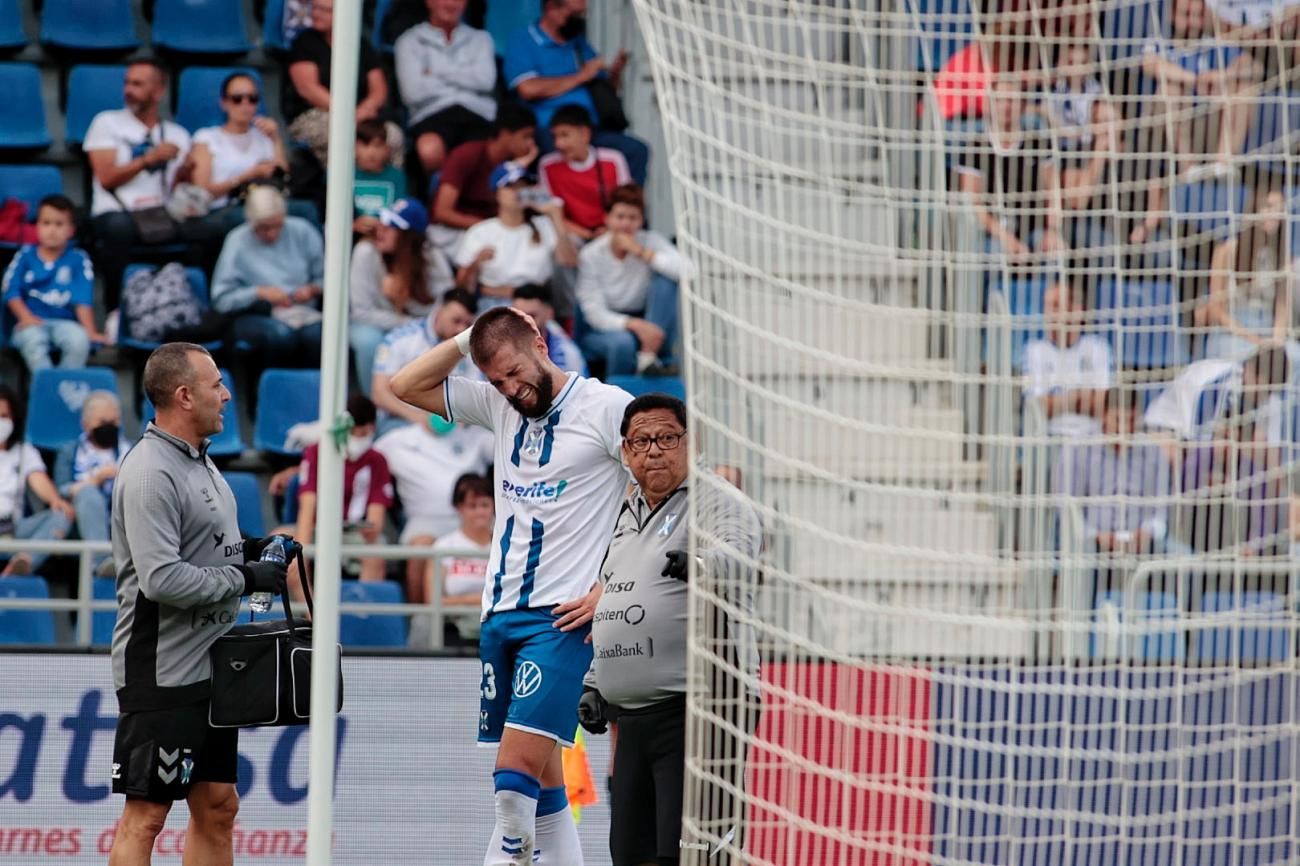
560, 480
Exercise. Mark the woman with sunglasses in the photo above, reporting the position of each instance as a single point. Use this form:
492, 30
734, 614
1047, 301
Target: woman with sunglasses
243, 150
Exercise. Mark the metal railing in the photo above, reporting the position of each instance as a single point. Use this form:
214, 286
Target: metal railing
85, 604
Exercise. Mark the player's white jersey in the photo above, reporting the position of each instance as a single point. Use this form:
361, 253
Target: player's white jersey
559, 482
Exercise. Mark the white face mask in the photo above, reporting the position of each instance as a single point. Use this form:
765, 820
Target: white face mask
358, 445
6, 430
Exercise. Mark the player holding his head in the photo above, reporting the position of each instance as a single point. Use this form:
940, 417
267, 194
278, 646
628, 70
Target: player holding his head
560, 479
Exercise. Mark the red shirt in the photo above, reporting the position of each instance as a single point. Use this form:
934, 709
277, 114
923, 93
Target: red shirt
366, 482
960, 86
468, 169
583, 191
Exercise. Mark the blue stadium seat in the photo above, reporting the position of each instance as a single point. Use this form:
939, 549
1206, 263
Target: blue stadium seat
248, 499
24, 125
92, 88
25, 626
289, 510
12, 36
1208, 209
229, 442
54, 405
1277, 120
371, 630
1163, 645
945, 29
377, 34
89, 25
638, 385
1259, 630
1142, 316
273, 26
103, 621
284, 398
1024, 298
200, 26
29, 184
199, 95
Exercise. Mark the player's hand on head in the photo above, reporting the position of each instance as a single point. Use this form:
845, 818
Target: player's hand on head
577, 613
592, 713
532, 323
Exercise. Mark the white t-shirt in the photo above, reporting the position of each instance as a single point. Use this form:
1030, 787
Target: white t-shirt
15, 465
1178, 408
1085, 366
462, 575
425, 467
234, 153
121, 132
560, 480
517, 260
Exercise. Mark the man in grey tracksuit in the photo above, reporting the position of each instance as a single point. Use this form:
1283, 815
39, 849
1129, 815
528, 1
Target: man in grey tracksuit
182, 567
639, 634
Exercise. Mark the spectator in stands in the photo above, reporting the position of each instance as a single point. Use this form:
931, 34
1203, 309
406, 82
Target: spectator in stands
581, 176
367, 491
402, 345
377, 183
1249, 302
1077, 106
22, 470
243, 150
307, 100
522, 244
135, 159
550, 64
627, 292
269, 279
1010, 178
1129, 479
1193, 67
446, 74
463, 557
395, 279
536, 301
464, 195
49, 289
1204, 391
86, 469
425, 457
961, 85
1068, 372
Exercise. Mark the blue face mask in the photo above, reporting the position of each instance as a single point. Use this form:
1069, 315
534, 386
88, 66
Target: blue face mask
439, 426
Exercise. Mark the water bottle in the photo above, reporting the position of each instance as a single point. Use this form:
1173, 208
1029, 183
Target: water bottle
275, 551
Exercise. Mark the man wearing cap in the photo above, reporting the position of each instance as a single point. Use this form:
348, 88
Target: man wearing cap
396, 278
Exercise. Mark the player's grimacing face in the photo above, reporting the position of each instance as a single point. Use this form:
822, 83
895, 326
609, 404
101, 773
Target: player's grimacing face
519, 376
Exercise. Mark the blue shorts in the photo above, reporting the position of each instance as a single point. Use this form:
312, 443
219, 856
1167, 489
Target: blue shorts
532, 675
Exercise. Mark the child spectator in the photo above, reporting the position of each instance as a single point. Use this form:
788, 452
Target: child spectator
627, 291
581, 176
49, 288
536, 301
1077, 103
522, 244
463, 557
446, 73
377, 182
464, 195
395, 278
1068, 371
86, 469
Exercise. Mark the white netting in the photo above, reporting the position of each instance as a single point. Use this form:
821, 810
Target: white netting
992, 323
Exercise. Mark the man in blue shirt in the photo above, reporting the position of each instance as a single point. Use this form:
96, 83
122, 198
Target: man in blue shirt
550, 63
49, 289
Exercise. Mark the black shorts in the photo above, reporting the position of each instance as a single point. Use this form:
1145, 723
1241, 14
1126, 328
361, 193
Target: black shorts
159, 754
646, 791
455, 126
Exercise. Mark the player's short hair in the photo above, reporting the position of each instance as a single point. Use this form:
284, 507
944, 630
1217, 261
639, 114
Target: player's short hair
361, 410
169, 367
629, 194
650, 402
498, 327
469, 485
61, 203
513, 117
534, 292
571, 115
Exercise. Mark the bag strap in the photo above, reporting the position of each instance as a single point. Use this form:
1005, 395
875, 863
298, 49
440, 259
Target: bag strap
305, 581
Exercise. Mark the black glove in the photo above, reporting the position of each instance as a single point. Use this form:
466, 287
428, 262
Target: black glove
591, 712
677, 565
263, 577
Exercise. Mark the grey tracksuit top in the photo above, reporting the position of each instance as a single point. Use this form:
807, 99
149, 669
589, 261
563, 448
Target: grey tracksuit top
177, 546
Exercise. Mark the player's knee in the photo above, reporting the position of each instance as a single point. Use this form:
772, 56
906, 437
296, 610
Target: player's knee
142, 820
216, 809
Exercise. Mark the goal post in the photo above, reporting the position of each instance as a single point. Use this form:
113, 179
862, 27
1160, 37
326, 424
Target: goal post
978, 646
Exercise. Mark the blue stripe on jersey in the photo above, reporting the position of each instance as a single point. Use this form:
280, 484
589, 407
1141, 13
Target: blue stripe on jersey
519, 440
505, 553
549, 441
530, 570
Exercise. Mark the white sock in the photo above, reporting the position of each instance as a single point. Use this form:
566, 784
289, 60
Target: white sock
644, 360
515, 831
557, 836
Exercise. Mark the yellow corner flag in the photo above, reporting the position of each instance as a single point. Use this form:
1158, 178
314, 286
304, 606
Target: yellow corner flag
578, 784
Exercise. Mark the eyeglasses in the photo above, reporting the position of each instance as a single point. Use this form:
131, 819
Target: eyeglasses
239, 98
665, 441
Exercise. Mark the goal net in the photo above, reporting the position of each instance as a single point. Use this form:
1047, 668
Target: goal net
992, 324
